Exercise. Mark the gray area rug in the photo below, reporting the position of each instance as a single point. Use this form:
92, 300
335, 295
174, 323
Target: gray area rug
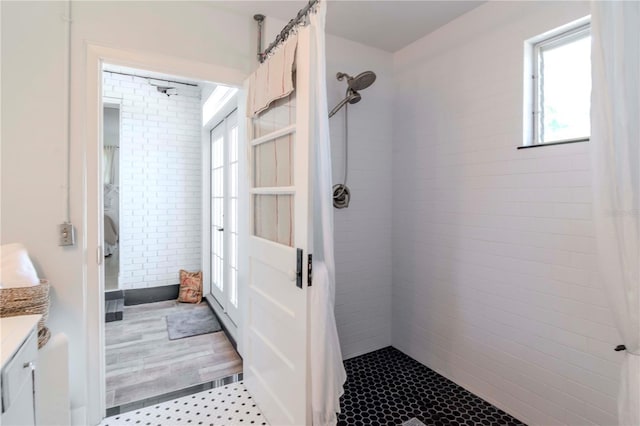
192, 323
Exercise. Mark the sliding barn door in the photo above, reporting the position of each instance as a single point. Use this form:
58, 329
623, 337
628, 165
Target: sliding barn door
276, 341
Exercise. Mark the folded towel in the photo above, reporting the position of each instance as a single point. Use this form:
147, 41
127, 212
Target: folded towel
16, 269
273, 79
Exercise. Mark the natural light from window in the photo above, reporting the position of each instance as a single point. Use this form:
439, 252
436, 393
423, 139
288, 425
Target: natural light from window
218, 98
564, 97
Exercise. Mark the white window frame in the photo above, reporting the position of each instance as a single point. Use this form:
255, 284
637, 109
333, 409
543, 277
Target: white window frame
533, 111
233, 326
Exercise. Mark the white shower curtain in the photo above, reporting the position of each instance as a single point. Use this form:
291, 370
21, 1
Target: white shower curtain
615, 139
327, 371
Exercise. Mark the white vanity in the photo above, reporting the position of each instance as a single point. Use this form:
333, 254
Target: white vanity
19, 354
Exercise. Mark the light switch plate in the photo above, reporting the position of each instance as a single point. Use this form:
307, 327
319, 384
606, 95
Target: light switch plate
66, 235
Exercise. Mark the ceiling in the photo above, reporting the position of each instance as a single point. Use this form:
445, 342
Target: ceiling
387, 25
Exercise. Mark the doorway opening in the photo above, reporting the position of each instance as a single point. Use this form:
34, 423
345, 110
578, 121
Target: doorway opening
170, 172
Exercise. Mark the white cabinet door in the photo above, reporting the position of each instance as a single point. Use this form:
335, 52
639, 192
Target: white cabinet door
18, 375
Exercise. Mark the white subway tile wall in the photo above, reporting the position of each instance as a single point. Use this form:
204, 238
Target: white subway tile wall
160, 181
363, 230
494, 264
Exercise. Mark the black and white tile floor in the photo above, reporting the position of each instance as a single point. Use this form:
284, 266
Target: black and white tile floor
383, 388
387, 387
226, 405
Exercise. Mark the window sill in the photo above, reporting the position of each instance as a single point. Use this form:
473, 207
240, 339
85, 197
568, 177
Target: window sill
554, 143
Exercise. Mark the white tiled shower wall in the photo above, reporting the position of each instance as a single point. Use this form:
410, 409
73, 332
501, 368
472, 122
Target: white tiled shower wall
362, 231
494, 279
160, 182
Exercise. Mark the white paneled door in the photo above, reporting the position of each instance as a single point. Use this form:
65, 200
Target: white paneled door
224, 215
276, 324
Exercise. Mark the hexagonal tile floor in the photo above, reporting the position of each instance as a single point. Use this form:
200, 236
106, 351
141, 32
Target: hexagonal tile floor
223, 406
387, 387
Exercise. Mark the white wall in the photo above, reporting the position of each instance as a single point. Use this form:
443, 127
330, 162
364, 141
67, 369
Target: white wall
474, 220
363, 230
33, 118
160, 180
494, 280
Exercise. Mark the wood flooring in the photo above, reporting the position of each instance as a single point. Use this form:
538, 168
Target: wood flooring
141, 361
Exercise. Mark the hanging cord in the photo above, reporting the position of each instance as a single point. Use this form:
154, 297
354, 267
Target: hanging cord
341, 192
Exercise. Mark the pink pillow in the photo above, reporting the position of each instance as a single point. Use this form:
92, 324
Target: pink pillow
190, 287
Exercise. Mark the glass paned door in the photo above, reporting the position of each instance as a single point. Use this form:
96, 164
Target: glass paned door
224, 215
275, 323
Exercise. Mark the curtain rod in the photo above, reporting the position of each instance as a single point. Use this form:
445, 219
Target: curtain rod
282, 36
151, 78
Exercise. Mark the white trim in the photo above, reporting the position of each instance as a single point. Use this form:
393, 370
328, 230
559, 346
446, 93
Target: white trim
557, 40
274, 135
532, 49
274, 190
110, 102
230, 103
223, 132
229, 107
218, 133
93, 276
231, 327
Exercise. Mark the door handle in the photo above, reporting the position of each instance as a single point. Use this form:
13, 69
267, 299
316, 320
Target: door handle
220, 229
32, 366
299, 268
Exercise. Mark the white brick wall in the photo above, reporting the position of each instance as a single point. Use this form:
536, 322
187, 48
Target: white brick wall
160, 181
494, 280
362, 231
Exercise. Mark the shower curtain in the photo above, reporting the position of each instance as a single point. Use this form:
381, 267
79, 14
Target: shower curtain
615, 144
327, 371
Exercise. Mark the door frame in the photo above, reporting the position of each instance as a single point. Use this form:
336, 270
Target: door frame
93, 273
235, 105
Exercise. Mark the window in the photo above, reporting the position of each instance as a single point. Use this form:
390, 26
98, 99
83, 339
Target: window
561, 98
224, 215
216, 101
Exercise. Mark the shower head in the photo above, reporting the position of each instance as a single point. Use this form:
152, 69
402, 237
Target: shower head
352, 97
362, 80
359, 82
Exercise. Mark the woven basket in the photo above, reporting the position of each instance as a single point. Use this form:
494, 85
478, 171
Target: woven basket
28, 301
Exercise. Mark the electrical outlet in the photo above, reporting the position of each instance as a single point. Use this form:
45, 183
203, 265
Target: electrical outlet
67, 234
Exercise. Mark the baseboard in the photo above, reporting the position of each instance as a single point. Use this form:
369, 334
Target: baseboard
139, 296
113, 294
223, 320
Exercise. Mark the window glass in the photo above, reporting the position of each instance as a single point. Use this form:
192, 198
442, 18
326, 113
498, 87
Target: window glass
563, 87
